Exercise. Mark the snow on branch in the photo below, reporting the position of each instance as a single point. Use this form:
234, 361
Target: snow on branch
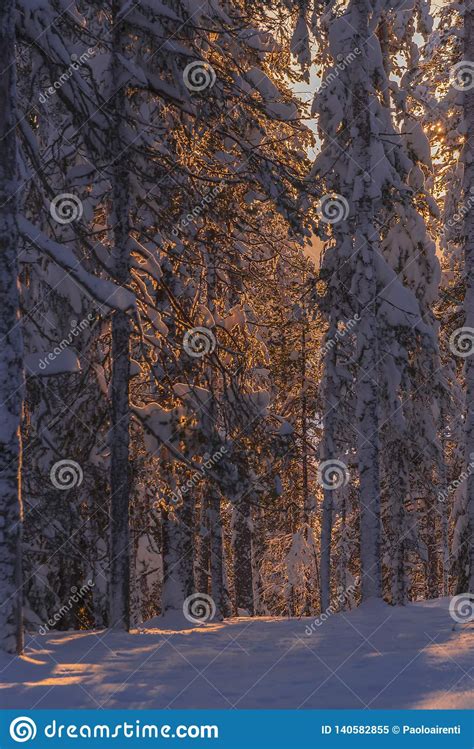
103, 291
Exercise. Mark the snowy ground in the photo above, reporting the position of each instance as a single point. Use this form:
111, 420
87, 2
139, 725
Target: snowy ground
376, 657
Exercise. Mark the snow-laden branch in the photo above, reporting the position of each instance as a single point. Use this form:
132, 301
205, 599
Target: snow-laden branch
102, 290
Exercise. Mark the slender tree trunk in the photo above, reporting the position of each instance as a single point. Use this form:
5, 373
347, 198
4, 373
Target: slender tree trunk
432, 582
330, 401
307, 533
398, 492
399, 593
469, 276
120, 468
204, 551
443, 510
365, 289
11, 371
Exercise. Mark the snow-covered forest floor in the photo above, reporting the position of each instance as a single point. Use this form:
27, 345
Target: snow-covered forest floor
377, 656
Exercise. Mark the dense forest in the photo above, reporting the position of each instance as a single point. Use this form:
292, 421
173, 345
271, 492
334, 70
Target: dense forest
237, 309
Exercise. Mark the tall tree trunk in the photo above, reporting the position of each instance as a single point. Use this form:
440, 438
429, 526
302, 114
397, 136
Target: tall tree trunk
443, 510
242, 549
307, 507
469, 276
365, 289
330, 401
11, 371
120, 468
432, 540
178, 556
219, 592
258, 557
398, 488
204, 549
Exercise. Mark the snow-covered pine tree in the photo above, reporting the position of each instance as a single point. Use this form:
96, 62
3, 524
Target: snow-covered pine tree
444, 89
410, 494
364, 160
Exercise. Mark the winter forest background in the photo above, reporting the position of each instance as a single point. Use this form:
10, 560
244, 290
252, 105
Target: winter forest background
236, 323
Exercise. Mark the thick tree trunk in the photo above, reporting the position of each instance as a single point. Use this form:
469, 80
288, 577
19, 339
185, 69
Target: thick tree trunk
178, 557
120, 469
210, 577
258, 557
326, 543
11, 370
365, 289
219, 591
242, 550
469, 276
